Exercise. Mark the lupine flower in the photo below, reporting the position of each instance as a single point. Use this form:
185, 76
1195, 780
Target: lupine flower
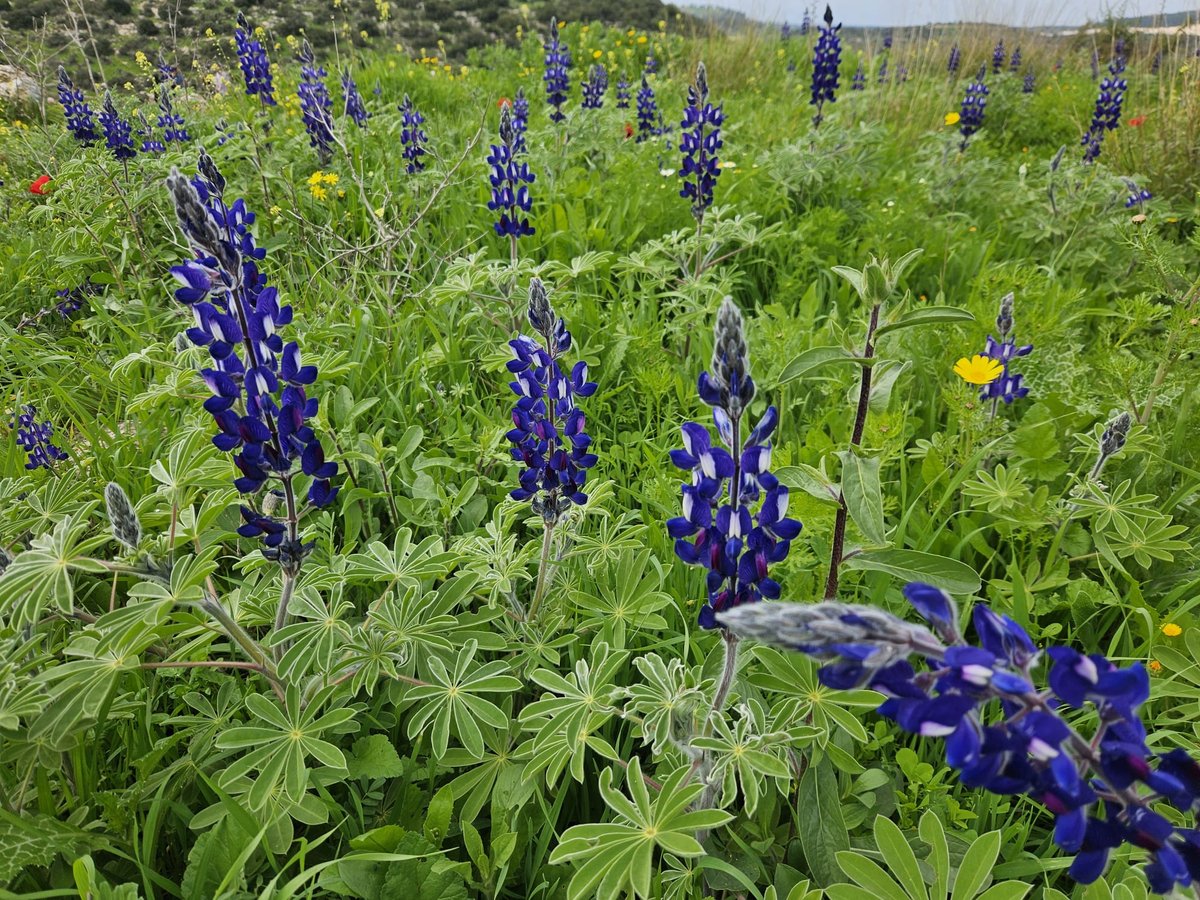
1001, 733
901, 73
1006, 386
806, 22
647, 110
622, 93
1119, 47
256, 67
998, 57
1107, 115
259, 400
548, 433
35, 440
150, 144
71, 300
78, 113
166, 72
1028, 84
557, 76
651, 63
973, 105
353, 101
315, 103
700, 143
118, 133
170, 121
1137, 195
520, 121
785, 32
881, 78
1157, 63
978, 369
594, 87
1014, 62
955, 59
827, 56
510, 183
718, 529
412, 136
887, 39
859, 81
39, 185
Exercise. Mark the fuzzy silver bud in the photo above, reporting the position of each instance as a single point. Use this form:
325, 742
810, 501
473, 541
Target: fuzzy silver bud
5, 560
731, 359
122, 516
541, 313
1115, 434
1004, 319
199, 228
271, 502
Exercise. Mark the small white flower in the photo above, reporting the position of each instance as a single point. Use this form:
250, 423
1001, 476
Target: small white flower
666, 173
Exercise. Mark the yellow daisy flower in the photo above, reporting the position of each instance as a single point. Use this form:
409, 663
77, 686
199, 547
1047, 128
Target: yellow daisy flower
978, 369
952, 118
1172, 630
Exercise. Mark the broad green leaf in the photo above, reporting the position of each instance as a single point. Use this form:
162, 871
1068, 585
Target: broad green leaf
815, 358
822, 829
899, 857
860, 489
927, 315
976, 867
915, 565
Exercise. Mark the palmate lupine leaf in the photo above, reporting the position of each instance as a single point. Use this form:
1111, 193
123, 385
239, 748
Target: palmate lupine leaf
667, 698
79, 689
315, 637
617, 858
626, 598
41, 576
453, 702
404, 563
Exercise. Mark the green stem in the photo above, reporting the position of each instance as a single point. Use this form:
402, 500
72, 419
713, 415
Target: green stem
543, 567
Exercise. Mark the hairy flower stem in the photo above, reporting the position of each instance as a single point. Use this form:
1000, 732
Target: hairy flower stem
211, 605
860, 422
705, 800
543, 568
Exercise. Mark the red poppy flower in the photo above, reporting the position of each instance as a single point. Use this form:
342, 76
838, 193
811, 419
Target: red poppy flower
39, 186
503, 102
628, 131
1136, 121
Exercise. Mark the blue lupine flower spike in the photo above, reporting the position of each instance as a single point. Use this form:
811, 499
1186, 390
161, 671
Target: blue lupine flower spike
316, 107
412, 136
998, 57
520, 120
1107, 115
170, 121
954, 60
510, 184
353, 101
256, 67
78, 113
973, 106
1001, 733
718, 529
259, 386
35, 439
827, 58
594, 87
557, 75
1007, 386
647, 111
622, 93
549, 434
118, 132
700, 144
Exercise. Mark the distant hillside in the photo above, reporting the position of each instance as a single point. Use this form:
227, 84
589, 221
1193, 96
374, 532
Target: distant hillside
118, 27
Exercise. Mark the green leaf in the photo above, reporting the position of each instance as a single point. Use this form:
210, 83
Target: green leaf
374, 756
822, 829
864, 500
869, 875
437, 820
927, 315
812, 481
915, 565
899, 856
814, 358
976, 866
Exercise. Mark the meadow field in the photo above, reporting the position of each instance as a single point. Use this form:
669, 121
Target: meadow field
615, 462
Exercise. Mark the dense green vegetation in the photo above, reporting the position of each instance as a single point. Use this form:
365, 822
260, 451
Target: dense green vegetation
450, 707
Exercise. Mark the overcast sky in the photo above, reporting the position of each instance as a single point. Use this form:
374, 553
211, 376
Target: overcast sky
919, 12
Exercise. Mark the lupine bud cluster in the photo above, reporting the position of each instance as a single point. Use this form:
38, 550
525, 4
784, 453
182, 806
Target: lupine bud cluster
78, 113
1137, 195
1014, 62
700, 143
718, 529
169, 120
1007, 386
150, 144
651, 63
35, 439
998, 57
126, 527
827, 57
1002, 734
806, 22
594, 87
256, 67
315, 103
882, 77
412, 136
118, 132
510, 183
1028, 84
622, 93
549, 434
859, 81
353, 101
647, 111
557, 76
520, 121
888, 38
259, 399
1107, 116
973, 106
955, 59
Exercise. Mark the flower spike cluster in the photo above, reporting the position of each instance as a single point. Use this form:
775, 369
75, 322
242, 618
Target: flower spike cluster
1006, 386
1137, 195
595, 87
1107, 116
170, 121
1029, 83
259, 385
520, 121
557, 76
256, 67
998, 57
700, 142
354, 106
718, 529
315, 104
35, 439
859, 81
1014, 62
974, 103
118, 132
622, 93
955, 59
510, 183
78, 113
150, 144
1002, 734
827, 57
548, 433
412, 136
647, 111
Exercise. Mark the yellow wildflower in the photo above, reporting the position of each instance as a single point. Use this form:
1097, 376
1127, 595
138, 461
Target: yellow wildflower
951, 118
318, 192
596, 54
978, 369
1170, 629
